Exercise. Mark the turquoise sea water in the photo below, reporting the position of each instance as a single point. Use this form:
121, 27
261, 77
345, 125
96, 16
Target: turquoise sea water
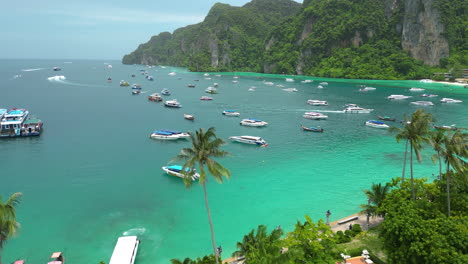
95, 175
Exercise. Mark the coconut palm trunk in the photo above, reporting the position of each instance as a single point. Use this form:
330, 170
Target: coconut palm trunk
210, 221
448, 189
413, 195
404, 162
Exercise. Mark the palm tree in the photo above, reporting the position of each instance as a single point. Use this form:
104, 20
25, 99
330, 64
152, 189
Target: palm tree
436, 139
455, 148
415, 131
205, 145
8, 224
376, 195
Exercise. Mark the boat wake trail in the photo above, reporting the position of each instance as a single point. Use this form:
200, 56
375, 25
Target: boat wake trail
29, 70
62, 79
328, 111
134, 231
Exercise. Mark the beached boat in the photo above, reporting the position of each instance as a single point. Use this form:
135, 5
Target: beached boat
206, 98
414, 89
155, 97
211, 90
314, 115
56, 258
422, 103
166, 134
230, 113
172, 103
125, 250
354, 109
176, 170
376, 124
290, 90
249, 140
12, 122
450, 101
165, 91
189, 117
386, 118
253, 122
312, 129
428, 95
452, 127
398, 97
317, 102
31, 127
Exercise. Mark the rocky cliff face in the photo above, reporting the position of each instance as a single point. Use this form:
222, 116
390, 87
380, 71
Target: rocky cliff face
422, 32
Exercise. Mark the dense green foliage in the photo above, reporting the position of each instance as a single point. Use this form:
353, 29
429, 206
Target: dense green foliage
8, 224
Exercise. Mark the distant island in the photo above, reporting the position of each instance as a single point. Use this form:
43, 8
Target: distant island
368, 39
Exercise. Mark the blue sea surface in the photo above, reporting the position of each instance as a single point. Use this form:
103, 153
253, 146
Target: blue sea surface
94, 174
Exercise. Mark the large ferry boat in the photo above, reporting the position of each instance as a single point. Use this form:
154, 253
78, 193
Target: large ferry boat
12, 122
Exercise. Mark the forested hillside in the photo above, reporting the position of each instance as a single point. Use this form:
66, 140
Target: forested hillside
372, 39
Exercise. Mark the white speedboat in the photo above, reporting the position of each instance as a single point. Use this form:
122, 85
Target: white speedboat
289, 79
317, 102
398, 97
323, 83
252, 89
249, 140
320, 87
211, 90
314, 115
450, 101
165, 91
414, 89
172, 103
268, 83
176, 170
354, 109
370, 88
307, 81
166, 134
230, 113
172, 73
423, 103
290, 90
376, 124
253, 122
429, 95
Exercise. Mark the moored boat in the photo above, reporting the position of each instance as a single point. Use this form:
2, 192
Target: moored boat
125, 250
176, 170
166, 134
56, 69
314, 115
189, 117
165, 91
450, 101
317, 102
312, 129
12, 121
249, 140
206, 98
289, 79
124, 83
172, 103
290, 90
386, 118
31, 127
191, 85
451, 127
415, 89
155, 97
230, 113
253, 122
423, 103
428, 95
211, 90
376, 124
398, 97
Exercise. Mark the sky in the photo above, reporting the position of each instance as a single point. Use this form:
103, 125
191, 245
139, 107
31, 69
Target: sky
92, 29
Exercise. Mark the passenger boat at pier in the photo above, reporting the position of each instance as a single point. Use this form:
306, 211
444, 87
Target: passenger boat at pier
176, 170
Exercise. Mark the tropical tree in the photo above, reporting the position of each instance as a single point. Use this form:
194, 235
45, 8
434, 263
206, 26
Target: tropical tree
262, 247
436, 139
455, 148
205, 147
8, 224
415, 132
376, 195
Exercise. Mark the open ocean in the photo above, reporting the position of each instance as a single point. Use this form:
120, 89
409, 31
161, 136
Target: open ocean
94, 174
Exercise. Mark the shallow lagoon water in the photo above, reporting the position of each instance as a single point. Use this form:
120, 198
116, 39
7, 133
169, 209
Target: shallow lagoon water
94, 174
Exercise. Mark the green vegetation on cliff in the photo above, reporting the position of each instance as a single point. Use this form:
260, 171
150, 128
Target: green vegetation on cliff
329, 38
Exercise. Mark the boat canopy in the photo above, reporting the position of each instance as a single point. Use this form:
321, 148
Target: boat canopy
176, 168
160, 132
16, 112
256, 120
230, 111
171, 131
376, 122
125, 250
33, 121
